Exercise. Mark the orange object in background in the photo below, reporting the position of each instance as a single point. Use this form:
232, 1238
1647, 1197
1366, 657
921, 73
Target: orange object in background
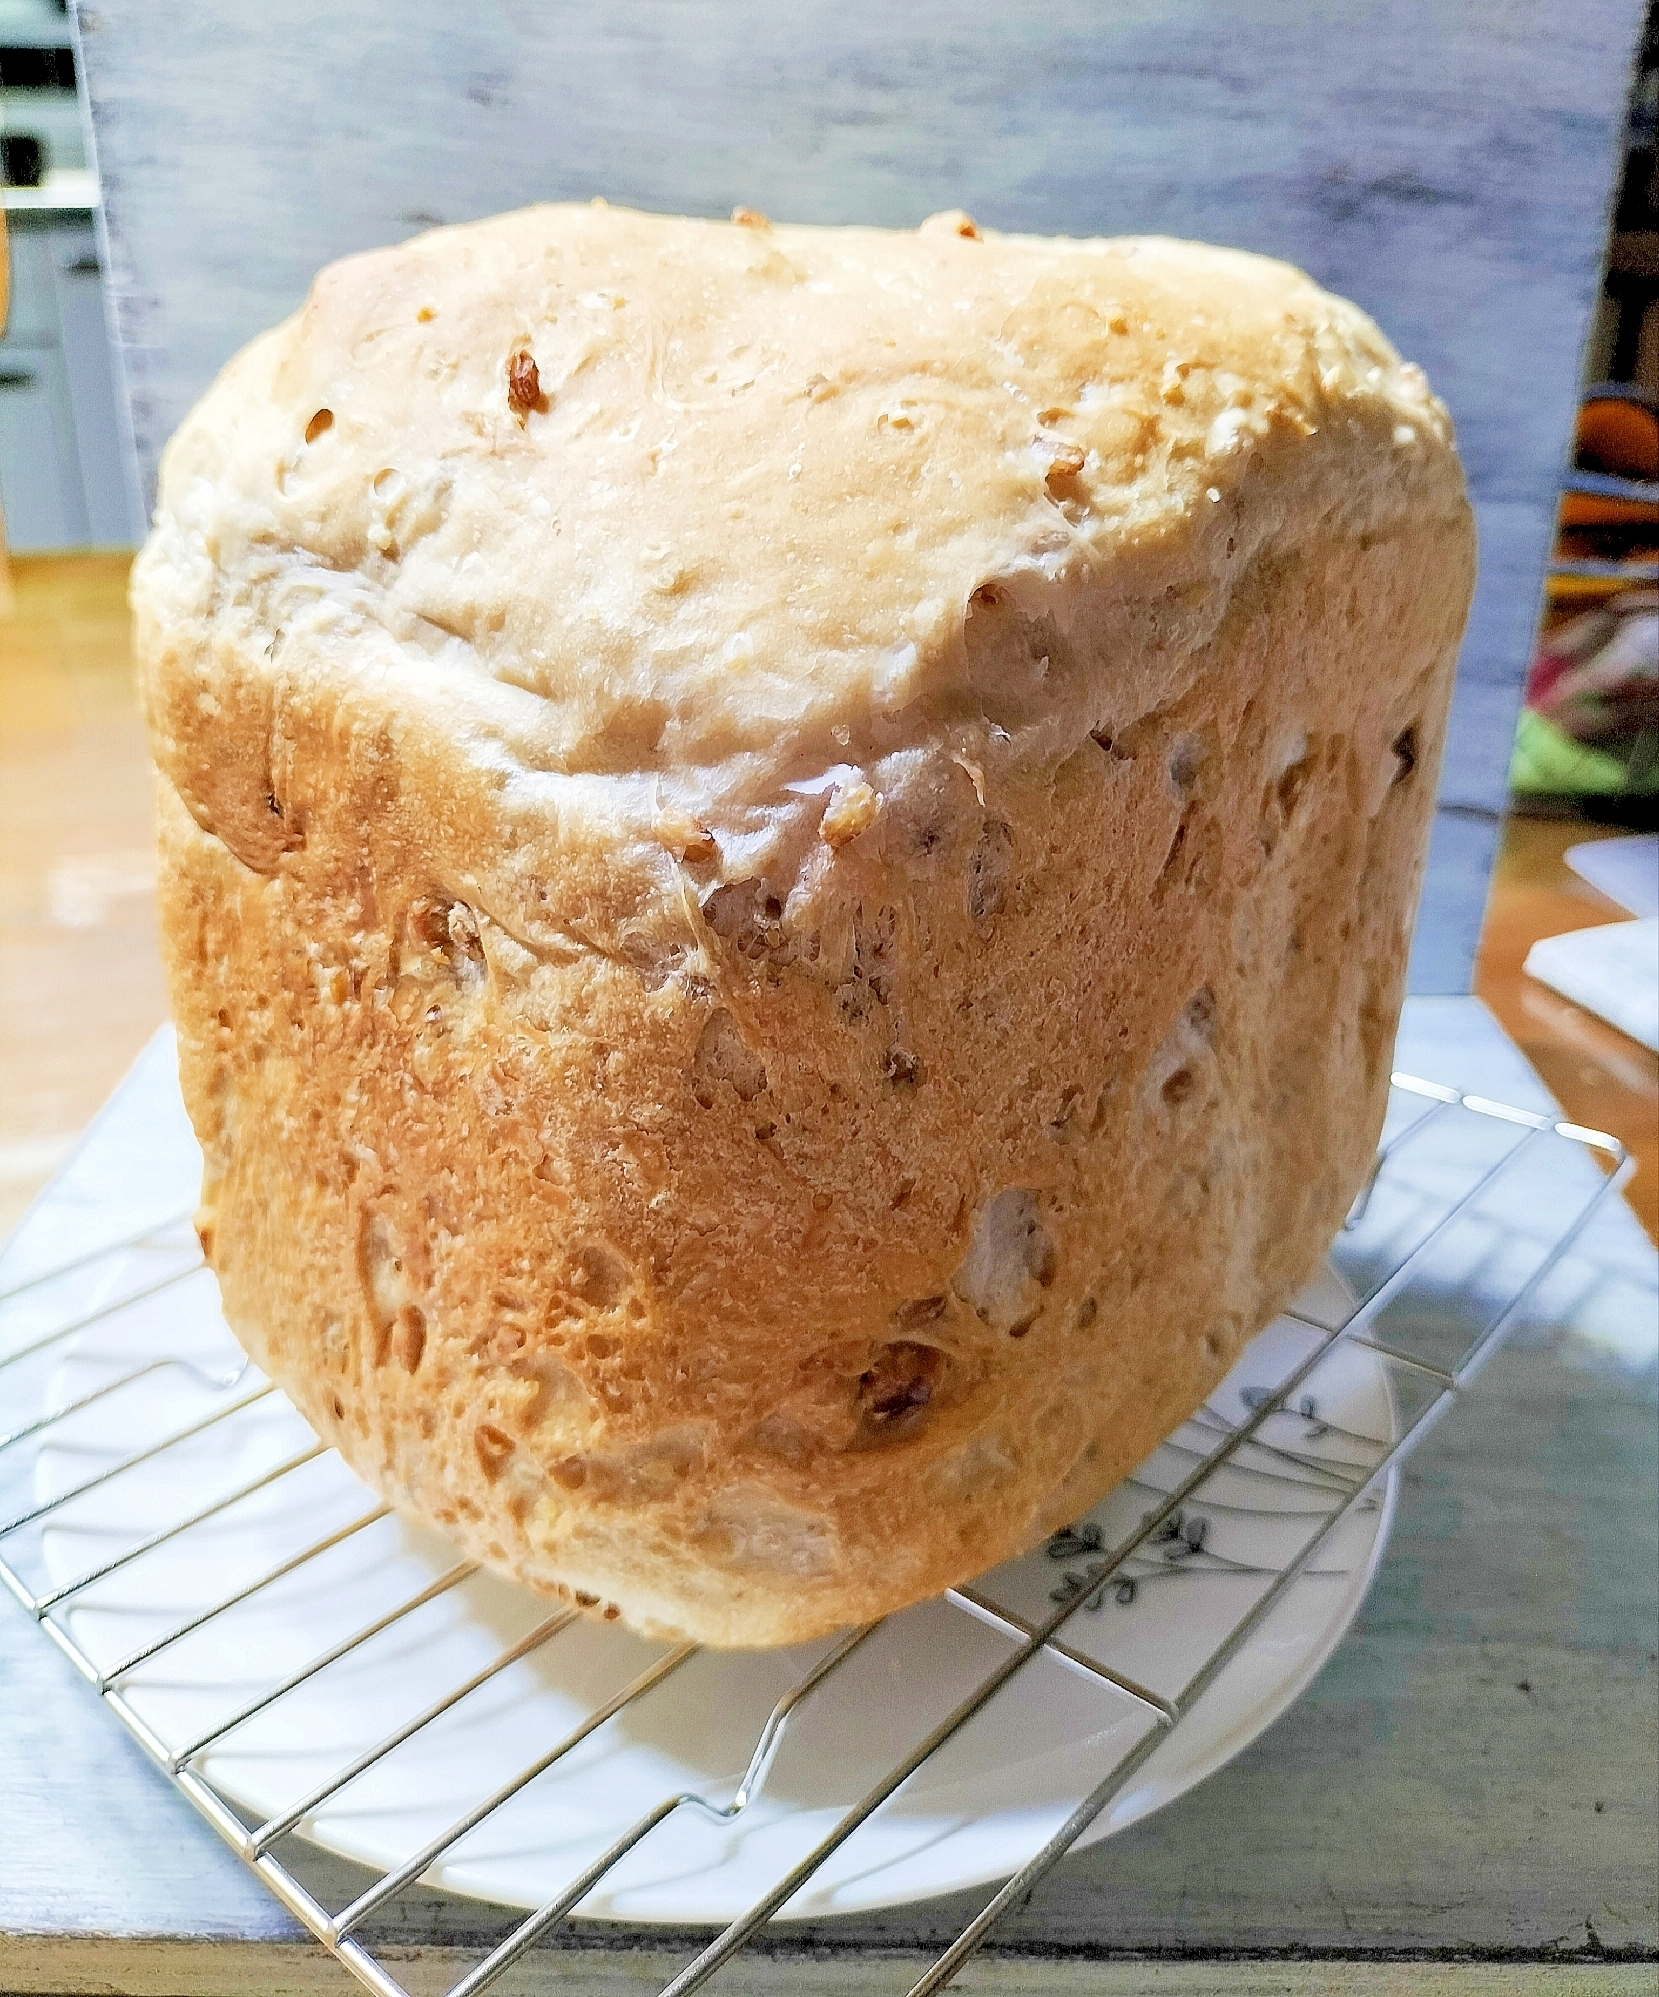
1617, 438
1617, 434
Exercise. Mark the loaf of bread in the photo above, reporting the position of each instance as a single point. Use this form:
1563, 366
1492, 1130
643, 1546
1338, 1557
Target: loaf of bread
788, 860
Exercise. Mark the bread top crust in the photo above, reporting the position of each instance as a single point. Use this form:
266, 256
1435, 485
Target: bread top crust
699, 576
673, 989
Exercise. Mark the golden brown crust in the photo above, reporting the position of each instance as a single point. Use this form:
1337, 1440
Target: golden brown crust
782, 947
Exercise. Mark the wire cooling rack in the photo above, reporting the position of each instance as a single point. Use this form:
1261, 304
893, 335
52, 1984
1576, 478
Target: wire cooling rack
1422, 1232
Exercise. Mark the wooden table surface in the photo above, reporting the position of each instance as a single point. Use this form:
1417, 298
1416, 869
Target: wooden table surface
1599, 1075
80, 975
1464, 1801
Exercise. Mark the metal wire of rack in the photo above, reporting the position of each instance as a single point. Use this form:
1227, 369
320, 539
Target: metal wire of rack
1384, 1269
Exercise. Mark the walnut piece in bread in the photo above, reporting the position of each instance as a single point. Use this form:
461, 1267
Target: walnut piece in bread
788, 859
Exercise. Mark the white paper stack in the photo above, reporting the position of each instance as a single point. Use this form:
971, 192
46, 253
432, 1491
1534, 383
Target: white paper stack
1611, 970
1625, 870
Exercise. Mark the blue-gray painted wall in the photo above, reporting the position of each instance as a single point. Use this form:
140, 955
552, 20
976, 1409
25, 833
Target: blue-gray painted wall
1447, 163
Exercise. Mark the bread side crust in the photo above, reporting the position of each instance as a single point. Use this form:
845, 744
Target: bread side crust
750, 1191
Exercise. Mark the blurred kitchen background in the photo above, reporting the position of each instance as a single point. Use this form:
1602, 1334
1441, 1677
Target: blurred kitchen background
1588, 741
68, 477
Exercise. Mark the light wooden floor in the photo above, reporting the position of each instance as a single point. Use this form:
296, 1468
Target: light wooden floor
80, 978
1599, 1076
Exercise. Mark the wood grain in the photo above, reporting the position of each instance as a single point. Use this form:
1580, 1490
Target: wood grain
126, 1969
80, 967
1601, 1077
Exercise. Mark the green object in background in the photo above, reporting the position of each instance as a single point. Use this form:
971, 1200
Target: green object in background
1549, 763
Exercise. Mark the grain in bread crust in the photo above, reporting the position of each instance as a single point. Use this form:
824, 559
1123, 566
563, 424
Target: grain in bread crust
788, 857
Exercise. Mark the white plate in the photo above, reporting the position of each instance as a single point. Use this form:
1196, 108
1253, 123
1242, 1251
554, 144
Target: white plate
974, 1812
